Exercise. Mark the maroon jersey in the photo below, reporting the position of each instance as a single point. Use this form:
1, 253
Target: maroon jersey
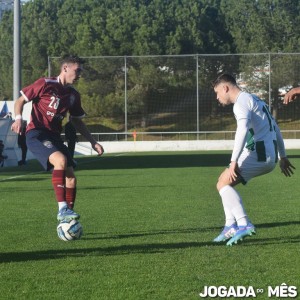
50, 103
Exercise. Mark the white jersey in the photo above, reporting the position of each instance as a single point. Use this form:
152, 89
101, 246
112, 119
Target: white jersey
256, 129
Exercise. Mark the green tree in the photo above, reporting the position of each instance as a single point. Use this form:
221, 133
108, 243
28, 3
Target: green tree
40, 37
266, 26
149, 27
6, 57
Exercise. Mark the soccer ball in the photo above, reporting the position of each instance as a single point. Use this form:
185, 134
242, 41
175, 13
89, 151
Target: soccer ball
69, 231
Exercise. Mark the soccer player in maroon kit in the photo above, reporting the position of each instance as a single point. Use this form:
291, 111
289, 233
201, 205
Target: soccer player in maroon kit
52, 98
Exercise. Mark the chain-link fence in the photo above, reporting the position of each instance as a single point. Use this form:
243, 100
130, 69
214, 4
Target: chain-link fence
170, 97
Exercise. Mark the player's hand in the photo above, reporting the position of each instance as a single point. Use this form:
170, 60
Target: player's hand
16, 126
286, 167
233, 168
291, 95
98, 148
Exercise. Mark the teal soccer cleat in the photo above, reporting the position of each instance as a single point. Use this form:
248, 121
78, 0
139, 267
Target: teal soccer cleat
242, 232
66, 214
227, 233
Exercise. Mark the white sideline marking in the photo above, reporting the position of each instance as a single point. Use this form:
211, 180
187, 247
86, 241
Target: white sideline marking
39, 172
18, 176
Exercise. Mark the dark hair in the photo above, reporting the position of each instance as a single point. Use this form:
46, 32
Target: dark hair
224, 77
73, 59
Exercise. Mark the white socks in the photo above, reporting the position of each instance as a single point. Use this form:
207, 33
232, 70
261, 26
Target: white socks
233, 206
61, 204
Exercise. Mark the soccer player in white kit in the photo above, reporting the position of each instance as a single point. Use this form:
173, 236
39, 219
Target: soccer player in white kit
258, 144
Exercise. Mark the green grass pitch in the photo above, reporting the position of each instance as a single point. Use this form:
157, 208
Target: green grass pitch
149, 220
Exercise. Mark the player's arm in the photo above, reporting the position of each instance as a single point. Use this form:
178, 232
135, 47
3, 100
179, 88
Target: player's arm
239, 143
284, 163
291, 95
82, 129
18, 109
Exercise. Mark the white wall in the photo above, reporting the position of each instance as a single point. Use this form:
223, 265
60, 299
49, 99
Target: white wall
145, 146
9, 139
26, 109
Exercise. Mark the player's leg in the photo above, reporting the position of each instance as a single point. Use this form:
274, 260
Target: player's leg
250, 167
71, 187
48, 150
231, 199
71, 147
63, 176
59, 163
24, 152
232, 205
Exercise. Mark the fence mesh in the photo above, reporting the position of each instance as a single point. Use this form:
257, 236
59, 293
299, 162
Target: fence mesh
163, 97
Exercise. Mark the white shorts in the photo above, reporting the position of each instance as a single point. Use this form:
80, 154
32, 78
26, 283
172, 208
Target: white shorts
250, 167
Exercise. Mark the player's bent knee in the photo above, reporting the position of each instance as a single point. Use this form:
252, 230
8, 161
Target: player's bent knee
58, 160
220, 185
223, 180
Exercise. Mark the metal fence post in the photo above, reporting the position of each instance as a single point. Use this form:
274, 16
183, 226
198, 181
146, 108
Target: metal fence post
270, 98
49, 66
125, 95
17, 50
197, 91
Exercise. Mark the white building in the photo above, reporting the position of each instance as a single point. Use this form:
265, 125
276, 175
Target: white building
8, 5
5, 5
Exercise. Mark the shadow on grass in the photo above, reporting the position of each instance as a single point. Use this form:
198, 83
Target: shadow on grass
140, 161
136, 161
148, 248
24, 179
105, 236
294, 156
251, 241
31, 166
277, 224
99, 251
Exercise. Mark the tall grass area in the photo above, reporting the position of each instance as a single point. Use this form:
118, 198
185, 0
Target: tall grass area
149, 220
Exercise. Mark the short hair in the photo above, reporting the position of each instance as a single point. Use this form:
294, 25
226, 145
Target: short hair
71, 59
224, 77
